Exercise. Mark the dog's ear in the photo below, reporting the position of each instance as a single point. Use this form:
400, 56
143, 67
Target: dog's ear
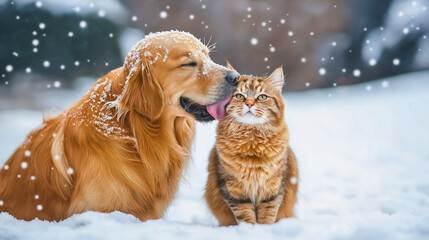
228, 65
277, 78
142, 92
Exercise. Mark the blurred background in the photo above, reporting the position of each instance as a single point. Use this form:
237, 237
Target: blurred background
48, 45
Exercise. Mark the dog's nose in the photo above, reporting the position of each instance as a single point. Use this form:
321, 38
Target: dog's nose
232, 77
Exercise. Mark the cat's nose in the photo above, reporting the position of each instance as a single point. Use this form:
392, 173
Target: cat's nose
232, 77
249, 103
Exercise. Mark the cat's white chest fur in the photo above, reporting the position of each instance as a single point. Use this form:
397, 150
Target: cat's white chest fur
252, 181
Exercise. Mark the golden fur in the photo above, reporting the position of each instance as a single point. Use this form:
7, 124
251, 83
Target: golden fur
123, 146
252, 170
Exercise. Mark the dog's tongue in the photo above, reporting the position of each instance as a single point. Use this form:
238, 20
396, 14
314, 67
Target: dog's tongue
217, 110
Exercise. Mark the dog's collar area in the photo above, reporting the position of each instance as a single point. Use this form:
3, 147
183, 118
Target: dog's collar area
199, 111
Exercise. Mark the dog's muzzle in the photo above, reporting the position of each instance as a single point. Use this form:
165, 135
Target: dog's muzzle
199, 111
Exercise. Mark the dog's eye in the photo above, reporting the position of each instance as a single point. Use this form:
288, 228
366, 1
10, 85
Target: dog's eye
239, 96
262, 97
191, 64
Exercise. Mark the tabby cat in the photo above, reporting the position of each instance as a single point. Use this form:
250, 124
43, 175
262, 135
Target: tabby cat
252, 170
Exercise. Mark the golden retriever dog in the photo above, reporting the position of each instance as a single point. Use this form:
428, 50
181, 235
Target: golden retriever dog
124, 145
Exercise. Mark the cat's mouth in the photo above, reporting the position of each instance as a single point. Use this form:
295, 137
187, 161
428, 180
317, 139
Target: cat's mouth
205, 113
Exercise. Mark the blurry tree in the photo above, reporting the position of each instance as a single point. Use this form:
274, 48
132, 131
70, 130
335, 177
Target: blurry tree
318, 42
379, 33
60, 46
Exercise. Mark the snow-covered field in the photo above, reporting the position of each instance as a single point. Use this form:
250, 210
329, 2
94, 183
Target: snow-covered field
363, 157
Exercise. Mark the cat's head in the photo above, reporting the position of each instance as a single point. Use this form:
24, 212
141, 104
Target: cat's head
257, 100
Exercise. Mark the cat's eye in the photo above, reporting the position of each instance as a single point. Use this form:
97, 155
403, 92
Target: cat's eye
262, 97
239, 96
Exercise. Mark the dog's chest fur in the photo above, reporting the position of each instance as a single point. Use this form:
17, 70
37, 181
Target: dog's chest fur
134, 169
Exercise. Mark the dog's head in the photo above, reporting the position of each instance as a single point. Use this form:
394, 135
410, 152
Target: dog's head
174, 69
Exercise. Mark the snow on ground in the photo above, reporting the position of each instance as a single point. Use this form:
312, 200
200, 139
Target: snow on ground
363, 158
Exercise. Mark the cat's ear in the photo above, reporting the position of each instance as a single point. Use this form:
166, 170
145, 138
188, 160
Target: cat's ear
277, 78
228, 65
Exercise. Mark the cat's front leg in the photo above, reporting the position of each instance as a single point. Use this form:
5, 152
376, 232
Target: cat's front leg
267, 210
240, 204
243, 212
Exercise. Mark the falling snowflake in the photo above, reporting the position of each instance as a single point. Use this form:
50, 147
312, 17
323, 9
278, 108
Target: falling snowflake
290, 34
372, 62
32, 178
134, 18
356, 72
39, 4
405, 31
46, 64
9, 68
396, 62
101, 13
24, 165
1, 202
272, 49
42, 26
27, 153
76, 63
70, 34
28, 70
254, 41
385, 84
70, 171
322, 71
369, 88
163, 14
36, 196
57, 84
192, 17
82, 24
293, 180
35, 42
39, 207
282, 21
303, 60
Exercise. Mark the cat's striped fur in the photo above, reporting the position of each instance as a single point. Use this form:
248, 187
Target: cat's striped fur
252, 170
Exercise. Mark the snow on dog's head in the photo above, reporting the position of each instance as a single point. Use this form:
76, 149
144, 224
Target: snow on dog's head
174, 68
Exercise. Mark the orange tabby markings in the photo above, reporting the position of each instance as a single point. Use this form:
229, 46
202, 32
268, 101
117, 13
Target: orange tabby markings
252, 170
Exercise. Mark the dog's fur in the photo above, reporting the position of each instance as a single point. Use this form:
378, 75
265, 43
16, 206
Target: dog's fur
123, 146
